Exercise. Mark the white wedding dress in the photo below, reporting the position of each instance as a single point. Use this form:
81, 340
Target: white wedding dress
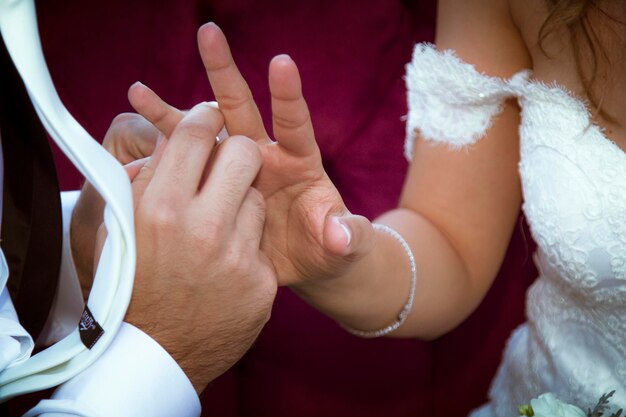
574, 184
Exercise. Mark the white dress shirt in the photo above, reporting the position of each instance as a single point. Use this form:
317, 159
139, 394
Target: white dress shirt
134, 377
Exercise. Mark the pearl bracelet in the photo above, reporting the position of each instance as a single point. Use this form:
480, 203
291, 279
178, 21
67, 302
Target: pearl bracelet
404, 313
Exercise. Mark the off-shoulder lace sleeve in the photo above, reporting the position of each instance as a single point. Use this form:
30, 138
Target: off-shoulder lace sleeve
449, 101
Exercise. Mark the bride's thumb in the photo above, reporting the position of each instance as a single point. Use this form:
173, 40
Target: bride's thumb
348, 236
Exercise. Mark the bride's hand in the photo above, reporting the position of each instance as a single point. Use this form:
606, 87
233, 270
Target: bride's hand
130, 138
309, 233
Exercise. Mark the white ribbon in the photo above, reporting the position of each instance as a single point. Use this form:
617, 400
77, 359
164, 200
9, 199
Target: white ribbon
115, 272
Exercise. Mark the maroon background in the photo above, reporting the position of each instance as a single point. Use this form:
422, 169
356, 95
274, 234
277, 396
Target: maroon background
352, 56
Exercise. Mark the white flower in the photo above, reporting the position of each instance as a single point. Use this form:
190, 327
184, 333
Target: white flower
547, 405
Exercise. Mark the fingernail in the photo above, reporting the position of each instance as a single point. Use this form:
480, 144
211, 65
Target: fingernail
210, 24
283, 56
346, 230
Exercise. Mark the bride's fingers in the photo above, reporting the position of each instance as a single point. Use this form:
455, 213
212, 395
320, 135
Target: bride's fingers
230, 88
147, 103
130, 137
140, 172
133, 168
291, 119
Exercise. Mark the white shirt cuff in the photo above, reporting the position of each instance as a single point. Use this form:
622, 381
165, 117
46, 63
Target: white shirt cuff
134, 377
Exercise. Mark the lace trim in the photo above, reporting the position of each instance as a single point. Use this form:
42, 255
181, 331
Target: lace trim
451, 102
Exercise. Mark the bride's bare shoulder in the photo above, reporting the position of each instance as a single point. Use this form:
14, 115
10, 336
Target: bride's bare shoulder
482, 33
561, 55
552, 57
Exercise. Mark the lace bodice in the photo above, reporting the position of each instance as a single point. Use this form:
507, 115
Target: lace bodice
574, 186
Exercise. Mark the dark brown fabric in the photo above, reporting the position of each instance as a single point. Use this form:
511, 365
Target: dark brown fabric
31, 215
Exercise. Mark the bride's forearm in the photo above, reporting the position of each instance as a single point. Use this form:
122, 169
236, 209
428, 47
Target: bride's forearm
375, 290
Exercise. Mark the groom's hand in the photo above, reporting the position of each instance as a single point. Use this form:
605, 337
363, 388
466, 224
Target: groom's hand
203, 289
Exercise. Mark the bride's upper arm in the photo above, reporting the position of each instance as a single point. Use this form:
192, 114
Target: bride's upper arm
472, 195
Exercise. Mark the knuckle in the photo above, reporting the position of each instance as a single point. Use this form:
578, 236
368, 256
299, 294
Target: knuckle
291, 123
124, 119
237, 264
159, 117
242, 163
233, 186
230, 102
245, 150
157, 216
258, 297
269, 289
120, 129
266, 293
162, 113
208, 234
195, 130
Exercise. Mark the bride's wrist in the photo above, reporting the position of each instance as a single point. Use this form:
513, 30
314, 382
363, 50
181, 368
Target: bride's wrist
375, 296
403, 313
